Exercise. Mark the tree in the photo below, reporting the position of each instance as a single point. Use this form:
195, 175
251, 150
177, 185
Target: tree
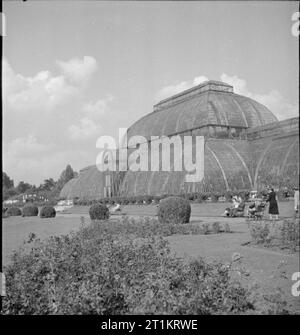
68, 174
8, 193
48, 185
65, 176
6, 181
23, 187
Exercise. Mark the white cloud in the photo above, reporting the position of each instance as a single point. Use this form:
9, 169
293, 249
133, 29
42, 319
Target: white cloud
98, 108
87, 128
42, 92
170, 90
24, 146
45, 91
94, 113
50, 107
239, 85
273, 99
78, 70
199, 80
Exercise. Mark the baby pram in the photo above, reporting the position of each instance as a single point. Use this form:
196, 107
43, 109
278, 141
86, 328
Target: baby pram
256, 211
235, 211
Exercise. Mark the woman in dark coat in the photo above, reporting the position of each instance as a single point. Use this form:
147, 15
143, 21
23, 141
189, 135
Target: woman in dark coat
273, 206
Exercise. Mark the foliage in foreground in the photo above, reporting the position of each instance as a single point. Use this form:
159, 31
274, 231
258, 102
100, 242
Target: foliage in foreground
148, 226
95, 271
282, 235
174, 210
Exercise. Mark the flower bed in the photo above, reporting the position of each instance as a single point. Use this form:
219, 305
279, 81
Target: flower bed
283, 235
103, 269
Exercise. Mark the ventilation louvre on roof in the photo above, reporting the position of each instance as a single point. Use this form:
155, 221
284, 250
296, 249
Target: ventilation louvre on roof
210, 85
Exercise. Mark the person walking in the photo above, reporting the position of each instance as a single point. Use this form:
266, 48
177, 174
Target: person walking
296, 200
273, 205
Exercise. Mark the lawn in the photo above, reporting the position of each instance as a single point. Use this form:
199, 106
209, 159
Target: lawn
267, 268
16, 229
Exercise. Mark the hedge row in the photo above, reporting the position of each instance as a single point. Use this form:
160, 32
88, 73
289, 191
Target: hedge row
147, 199
22, 204
29, 210
196, 197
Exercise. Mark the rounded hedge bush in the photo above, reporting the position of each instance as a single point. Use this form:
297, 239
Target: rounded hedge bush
14, 211
30, 210
174, 210
4, 213
47, 212
99, 212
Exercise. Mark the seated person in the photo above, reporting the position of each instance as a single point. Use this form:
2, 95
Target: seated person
237, 207
252, 208
227, 212
115, 208
239, 210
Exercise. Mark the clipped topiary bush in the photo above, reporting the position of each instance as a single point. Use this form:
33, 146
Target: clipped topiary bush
4, 213
30, 210
47, 212
174, 210
14, 211
99, 212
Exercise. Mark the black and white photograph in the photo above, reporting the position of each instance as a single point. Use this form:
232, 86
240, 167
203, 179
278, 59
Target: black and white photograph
150, 161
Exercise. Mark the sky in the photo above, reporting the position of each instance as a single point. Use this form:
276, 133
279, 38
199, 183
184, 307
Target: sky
75, 71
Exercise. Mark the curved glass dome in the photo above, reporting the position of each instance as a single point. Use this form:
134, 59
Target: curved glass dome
210, 103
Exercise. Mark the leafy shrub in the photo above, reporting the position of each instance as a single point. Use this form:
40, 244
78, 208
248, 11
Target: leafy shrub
14, 211
215, 197
259, 232
227, 228
111, 201
205, 228
216, 227
99, 212
105, 201
96, 271
190, 196
289, 235
199, 198
76, 201
139, 200
174, 210
144, 227
228, 195
156, 199
284, 235
131, 200
47, 212
30, 210
4, 213
124, 201
148, 199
